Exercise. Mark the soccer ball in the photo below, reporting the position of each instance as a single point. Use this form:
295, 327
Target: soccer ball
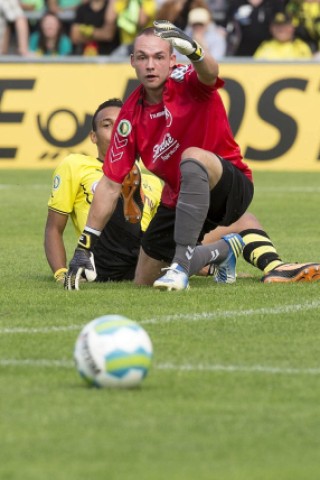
113, 351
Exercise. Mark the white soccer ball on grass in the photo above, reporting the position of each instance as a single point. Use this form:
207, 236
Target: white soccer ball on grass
113, 351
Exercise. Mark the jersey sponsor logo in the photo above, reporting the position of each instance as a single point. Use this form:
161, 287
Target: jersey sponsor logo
157, 115
56, 182
124, 128
164, 113
148, 201
166, 148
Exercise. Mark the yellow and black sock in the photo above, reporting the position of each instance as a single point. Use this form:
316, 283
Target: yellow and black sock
259, 250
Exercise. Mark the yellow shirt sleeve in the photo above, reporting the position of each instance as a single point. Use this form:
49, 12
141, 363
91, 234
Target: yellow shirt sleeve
64, 188
73, 186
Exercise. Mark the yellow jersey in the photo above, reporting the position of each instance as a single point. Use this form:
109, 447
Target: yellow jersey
275, 50
121, 7
74, 182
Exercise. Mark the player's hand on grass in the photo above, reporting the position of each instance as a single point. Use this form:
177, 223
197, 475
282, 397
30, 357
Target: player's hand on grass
81, 267
178, 39
60, 275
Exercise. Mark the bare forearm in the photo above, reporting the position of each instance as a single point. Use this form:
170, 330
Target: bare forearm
55, 251
207, 69
103, 204
53, 240
22, 31
104, 34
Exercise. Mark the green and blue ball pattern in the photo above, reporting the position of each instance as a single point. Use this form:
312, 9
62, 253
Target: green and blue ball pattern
113, 351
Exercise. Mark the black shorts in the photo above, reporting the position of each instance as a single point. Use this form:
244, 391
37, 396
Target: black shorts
229, 200
117, 275
117, 250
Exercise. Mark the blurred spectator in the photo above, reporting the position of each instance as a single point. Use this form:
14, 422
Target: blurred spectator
33, 5
306, 16
50, 38
218, 9
58, 6
11, 11
203, 29
283, 45
92, 33
177, 11
65, 9
248, 23
131, 16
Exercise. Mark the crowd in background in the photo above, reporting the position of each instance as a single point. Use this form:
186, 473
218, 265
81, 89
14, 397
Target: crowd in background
262, 29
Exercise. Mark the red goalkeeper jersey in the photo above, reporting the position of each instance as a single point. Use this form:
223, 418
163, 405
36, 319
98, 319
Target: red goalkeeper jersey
191, 115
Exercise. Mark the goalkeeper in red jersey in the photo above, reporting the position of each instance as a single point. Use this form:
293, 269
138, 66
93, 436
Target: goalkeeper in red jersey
176, 122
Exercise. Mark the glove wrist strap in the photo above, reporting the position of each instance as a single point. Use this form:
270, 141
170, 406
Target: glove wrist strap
88, 238
197, 55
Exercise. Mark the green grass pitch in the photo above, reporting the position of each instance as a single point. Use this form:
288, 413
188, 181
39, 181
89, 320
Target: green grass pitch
233, 392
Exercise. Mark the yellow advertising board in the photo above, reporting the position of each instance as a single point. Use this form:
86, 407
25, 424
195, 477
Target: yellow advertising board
46, 109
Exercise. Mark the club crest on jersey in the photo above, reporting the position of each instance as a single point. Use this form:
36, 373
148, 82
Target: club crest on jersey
56, 182
124, 128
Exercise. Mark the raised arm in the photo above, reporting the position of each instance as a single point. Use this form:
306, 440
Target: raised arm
204, 64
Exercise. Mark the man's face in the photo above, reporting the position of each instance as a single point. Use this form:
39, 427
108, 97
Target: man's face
152, 61
105, 121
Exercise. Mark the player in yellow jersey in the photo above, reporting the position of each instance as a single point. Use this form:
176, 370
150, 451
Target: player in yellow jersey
74, 183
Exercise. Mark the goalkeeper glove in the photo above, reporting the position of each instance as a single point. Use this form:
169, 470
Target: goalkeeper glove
82, 264
86, 30
179, 40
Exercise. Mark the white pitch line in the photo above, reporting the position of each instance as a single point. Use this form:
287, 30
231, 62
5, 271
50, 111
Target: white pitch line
40, 363
239, 368
29, 362
186, 317
195, 317
52, 329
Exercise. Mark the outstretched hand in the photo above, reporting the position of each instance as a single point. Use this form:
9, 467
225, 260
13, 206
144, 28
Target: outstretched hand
178, 39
